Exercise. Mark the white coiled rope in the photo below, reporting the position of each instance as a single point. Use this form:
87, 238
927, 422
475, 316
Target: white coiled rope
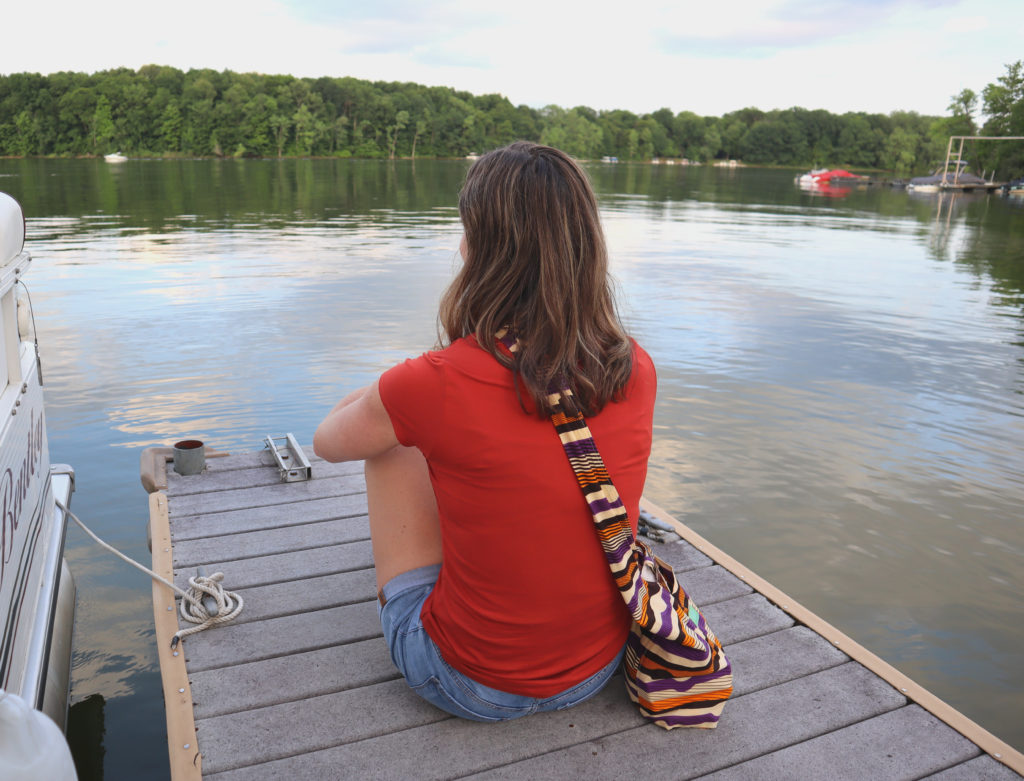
191, 608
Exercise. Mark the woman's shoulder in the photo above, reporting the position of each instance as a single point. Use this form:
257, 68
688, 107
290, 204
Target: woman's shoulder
642, 361
462, 351
643, 381
462, 355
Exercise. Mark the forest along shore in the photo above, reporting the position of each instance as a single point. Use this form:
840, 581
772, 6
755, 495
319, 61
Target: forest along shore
159, 110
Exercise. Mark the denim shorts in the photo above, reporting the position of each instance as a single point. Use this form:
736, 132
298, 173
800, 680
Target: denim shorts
432, 678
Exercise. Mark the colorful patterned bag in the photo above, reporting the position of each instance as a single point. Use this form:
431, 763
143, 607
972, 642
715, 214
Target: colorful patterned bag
675, 669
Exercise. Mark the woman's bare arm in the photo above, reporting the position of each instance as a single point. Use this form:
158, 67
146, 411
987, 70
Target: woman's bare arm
357, 428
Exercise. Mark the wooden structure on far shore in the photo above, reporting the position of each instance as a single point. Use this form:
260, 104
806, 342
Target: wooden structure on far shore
957, 159
301, 686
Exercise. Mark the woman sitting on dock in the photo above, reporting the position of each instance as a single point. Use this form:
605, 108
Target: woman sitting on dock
496, 599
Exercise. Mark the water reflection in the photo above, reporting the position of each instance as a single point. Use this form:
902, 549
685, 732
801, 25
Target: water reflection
840, 380
86, 727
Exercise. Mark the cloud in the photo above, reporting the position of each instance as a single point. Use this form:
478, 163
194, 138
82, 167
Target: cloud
966, 24
397, 27
757, 30
452, 15
445, 57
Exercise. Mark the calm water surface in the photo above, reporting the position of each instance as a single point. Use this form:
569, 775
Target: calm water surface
841, 381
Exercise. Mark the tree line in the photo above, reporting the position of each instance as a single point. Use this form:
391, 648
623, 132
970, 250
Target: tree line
162, 111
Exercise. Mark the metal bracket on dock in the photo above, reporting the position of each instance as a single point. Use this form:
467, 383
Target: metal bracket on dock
291, 461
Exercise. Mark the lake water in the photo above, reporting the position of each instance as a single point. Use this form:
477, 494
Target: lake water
841, 381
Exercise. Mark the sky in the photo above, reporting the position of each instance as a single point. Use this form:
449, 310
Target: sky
707, 57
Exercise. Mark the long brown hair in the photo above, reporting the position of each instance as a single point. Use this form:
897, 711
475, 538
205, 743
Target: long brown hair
537, 262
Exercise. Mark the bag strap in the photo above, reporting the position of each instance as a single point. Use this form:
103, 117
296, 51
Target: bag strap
611, 520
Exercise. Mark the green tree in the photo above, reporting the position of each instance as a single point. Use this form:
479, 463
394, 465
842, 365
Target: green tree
256, 131
857, 144
305, 130
1004, 102
901, 151
962, 107
171, 124
25, 142
1004, 106
401, 120
688, 131
732, 132
421, 128
574, 132
280, 125
199, 94
76, 111
102, 130
339, 133
712, 143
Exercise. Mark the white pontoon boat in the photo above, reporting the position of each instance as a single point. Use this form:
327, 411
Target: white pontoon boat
37, 592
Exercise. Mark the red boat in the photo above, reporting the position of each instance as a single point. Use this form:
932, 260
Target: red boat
826, 176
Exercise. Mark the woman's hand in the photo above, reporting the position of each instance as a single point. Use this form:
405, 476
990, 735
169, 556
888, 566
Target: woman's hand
357, 428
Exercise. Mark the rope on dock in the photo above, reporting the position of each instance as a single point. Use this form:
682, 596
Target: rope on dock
191, 608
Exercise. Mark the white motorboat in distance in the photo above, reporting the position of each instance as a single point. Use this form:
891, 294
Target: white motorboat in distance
115, 157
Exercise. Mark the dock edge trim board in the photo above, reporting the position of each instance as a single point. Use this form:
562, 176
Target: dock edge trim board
182, 743
998, 749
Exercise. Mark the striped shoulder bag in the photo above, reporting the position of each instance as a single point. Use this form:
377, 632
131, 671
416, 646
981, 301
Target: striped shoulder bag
675, 669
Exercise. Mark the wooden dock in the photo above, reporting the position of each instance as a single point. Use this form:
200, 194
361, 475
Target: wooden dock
301, 686
958, 187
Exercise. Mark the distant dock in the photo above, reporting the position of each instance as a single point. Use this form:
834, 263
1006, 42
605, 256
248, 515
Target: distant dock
301, 686
966, 188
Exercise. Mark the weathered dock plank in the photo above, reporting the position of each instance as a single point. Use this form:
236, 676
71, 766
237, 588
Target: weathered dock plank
289, 678
744, 617
211, 550
292, 565
682, 557
291, 634
233, 473
264, 734
902, 744
771, 659
301, 686
272, 495
304, 596
452, 748
284, 514
758, 723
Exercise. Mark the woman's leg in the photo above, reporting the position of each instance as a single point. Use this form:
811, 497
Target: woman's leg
404, 526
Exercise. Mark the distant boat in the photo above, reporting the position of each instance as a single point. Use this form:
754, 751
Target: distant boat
1016, 187
820, 176
940, 177
115, 157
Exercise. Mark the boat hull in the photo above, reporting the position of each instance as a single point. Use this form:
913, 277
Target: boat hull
37, 593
